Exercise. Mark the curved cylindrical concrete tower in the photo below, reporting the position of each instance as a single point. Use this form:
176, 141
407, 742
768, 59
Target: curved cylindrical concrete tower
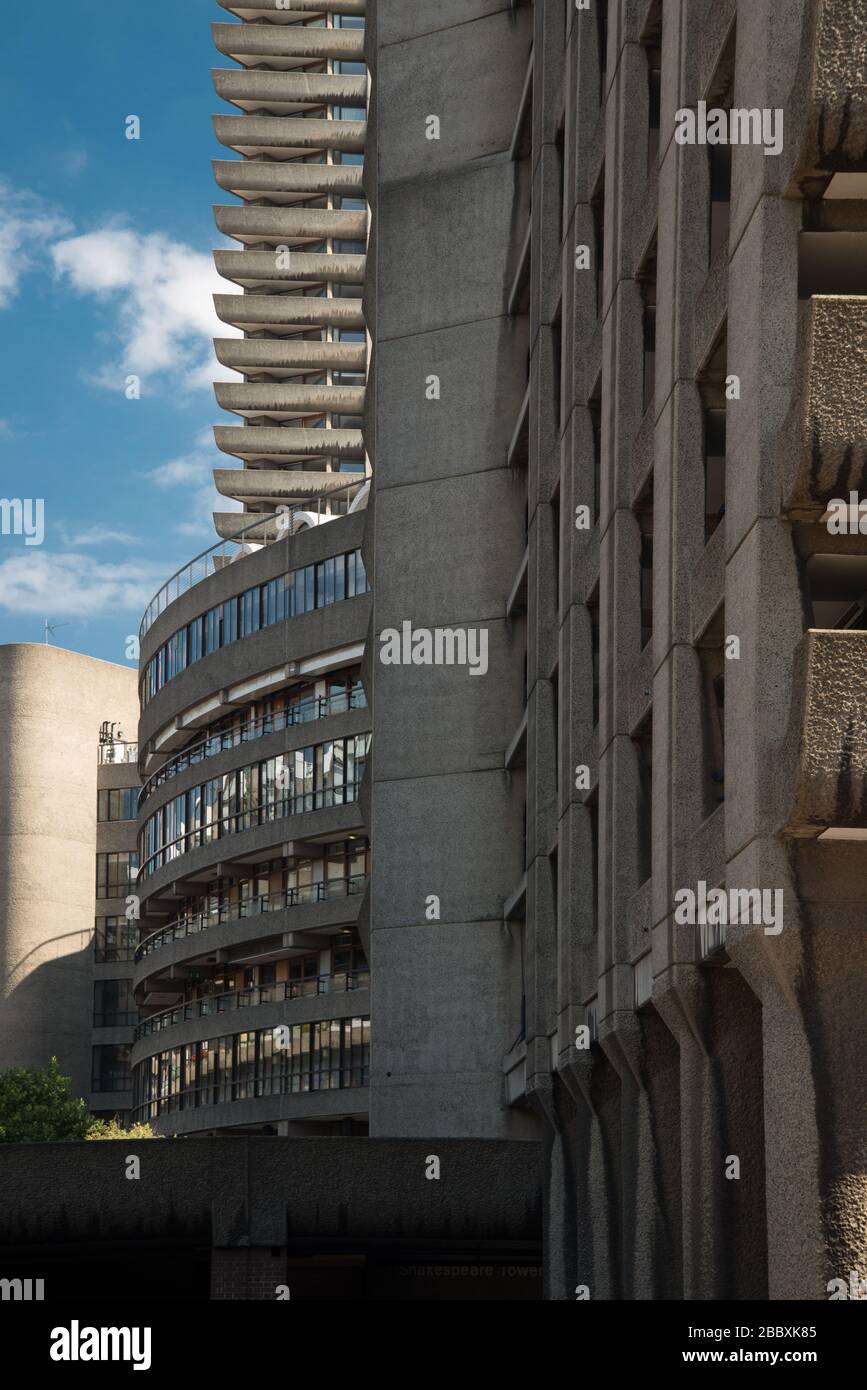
52, 703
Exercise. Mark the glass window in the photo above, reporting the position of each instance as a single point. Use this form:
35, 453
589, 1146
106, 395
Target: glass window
113, 1005
117, 803
114, 938
110, 1069
116, 874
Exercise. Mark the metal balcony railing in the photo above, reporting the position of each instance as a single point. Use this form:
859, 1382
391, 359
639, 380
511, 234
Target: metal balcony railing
235, 822
227, 911
117, 752
340, 983
316, 707
325, 506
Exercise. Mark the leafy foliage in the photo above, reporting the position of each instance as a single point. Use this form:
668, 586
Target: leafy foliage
112, 1129
37, 1107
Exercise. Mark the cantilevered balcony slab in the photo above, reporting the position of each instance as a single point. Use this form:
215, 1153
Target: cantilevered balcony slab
827, 737
255, 486
823, 445
275, 12
279, 401
286, 46
253, 225
258, 526
829, 105
279, 312
282, 357
284, 93
287, 444
285, 182
262, 269
287, 137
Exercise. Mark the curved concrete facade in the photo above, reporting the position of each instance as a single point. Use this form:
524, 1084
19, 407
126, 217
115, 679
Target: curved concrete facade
52, 703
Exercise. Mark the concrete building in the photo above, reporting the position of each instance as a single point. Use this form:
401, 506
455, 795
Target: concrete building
616, 382
68, 794
549, 587
254, 725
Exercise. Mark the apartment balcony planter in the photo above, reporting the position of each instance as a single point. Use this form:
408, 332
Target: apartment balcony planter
287, 137
274, 313
285, 183
279, 400
829, 101
265, 270
287, 93
823, 449
827, 738
286, 46
284, 225
281, 358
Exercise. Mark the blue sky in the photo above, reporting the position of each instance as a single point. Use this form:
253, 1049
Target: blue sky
105, 273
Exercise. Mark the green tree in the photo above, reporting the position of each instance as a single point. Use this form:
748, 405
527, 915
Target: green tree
112, 1129
36, 1106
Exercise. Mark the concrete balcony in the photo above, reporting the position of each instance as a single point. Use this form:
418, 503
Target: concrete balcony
827, 738
254, 225
285, 93
275, 13
823, 446
287, 183
288, 46
285, 358
287, 445
273, 486
266, 1007
830, 99
280, 312
261, 269
278, 401
287, 137
290, 921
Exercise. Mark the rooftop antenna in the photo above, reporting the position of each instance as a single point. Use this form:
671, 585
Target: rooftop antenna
48, 627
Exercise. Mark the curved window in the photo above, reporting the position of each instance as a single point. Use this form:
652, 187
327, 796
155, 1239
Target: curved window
342, 871
307, 779
291, 1060
299, 591
296, 705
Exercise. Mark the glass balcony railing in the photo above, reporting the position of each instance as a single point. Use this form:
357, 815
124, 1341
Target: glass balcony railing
226, 911
316, 707
321, 507
340, 983
117, 752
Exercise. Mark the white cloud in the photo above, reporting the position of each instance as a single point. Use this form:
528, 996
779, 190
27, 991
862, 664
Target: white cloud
194, 470
188, 468
163, 290
76, 586
98, 535
28, 226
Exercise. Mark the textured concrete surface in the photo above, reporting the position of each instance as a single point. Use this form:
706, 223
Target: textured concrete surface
52, 703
